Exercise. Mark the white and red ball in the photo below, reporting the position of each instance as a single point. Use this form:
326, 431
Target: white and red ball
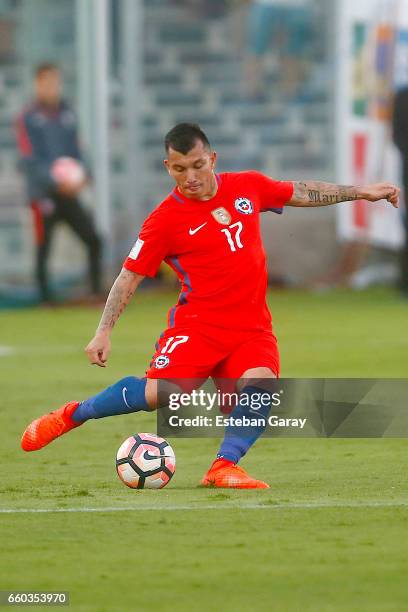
145, 461
69, 171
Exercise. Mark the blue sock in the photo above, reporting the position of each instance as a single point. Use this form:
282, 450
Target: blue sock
239, 439
126, 395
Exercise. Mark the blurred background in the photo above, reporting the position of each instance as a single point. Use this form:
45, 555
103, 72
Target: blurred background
298, 89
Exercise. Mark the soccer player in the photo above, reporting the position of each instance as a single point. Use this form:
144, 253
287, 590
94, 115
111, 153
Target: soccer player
207, 230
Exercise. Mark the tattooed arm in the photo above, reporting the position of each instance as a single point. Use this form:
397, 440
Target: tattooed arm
317, 193
119, 296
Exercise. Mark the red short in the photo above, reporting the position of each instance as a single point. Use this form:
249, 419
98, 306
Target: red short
185, 352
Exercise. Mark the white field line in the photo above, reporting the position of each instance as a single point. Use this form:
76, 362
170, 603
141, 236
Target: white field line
220, 506
5, 351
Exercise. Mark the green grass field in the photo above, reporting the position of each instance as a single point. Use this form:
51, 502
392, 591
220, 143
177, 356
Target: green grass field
330, 534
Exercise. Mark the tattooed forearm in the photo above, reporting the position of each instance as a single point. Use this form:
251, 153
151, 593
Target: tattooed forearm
317, 193
119, 296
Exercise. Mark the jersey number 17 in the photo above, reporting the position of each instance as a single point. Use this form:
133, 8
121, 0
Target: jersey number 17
234, 239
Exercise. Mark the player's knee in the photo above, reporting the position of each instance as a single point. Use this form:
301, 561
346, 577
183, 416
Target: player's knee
151, 393
159, 392
260, 372
256, 377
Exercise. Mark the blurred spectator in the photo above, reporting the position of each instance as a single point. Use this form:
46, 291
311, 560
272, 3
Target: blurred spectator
282, 26
205, 8
400, 133
46, 132
6, 41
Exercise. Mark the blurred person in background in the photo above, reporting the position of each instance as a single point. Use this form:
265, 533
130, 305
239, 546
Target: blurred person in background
46, 131
204, 8
281, 25
400, 134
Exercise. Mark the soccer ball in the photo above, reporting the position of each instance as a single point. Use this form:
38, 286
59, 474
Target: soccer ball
145, 461
68, 170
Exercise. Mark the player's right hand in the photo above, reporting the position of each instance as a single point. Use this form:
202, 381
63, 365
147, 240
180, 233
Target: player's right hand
98, 350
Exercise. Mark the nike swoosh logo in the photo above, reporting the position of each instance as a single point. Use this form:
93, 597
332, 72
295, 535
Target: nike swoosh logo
194, 231
257, 413
149, 457
124, 397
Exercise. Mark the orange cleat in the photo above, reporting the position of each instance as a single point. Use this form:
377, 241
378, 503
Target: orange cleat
226, 475
44, 430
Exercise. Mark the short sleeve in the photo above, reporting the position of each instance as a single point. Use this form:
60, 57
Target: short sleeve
150, 247
273, 195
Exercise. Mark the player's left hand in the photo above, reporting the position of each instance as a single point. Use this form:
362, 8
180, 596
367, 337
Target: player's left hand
382, 191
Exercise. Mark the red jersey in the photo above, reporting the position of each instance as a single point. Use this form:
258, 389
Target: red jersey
215, 248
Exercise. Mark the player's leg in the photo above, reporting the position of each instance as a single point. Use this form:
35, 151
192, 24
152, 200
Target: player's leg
130, 394
238, 439
255, 367
175, 351
81, 223
254, 383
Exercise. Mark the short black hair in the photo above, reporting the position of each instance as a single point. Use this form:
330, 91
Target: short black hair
45, 67
183, 137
